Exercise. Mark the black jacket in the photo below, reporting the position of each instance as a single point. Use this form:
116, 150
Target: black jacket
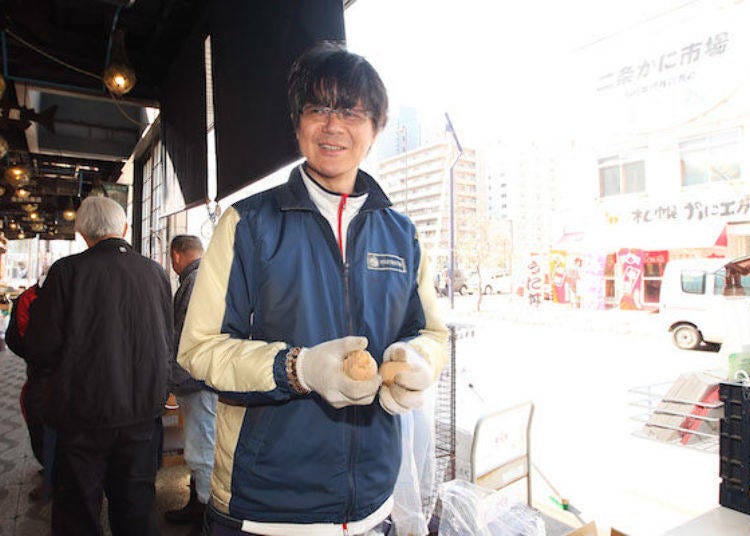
183, 383
103, 324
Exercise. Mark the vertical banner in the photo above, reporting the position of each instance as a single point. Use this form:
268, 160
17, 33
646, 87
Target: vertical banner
534, 279
558, 276
631, 280
573, 273
592, 285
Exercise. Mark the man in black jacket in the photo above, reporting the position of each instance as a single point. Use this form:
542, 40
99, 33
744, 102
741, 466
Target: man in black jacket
103, 324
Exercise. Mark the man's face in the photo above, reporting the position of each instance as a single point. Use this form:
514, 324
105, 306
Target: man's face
334, 147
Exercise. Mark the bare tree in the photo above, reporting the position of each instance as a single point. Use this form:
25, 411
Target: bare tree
484, 245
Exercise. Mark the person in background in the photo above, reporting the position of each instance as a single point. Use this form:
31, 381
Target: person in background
293, 280
102, 324
33, 392
197, 404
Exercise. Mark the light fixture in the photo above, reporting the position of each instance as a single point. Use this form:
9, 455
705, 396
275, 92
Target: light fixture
21, 234
17, 175
13, 225
3, 142
69, 214
30, 207
119, 76
37, 227
34, 216
23, 193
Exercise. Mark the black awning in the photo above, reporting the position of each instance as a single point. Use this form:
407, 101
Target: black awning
253, 45
183, 114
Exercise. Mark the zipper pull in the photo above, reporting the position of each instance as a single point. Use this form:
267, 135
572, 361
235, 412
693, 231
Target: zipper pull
345, 530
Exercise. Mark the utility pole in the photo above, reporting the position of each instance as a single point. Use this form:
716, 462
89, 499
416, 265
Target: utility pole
452, 268
403, 147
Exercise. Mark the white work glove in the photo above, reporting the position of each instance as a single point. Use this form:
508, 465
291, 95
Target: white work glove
407, 391
321, 369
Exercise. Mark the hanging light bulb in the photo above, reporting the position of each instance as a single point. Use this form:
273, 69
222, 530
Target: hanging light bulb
30, 207
37, 227
3, 142
119, 76
21, 234
12, 225
34, 216
17, 175
69, 214
23, 193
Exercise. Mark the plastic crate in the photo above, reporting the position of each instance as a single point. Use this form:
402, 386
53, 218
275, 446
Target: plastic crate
734, 498
734, 447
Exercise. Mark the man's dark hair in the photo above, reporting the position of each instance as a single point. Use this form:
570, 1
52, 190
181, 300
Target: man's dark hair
184, 242
329, 75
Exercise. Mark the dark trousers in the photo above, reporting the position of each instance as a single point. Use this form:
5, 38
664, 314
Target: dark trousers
32, 407
120, 462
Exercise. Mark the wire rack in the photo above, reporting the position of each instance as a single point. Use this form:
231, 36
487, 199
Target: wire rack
445, 412
665, 417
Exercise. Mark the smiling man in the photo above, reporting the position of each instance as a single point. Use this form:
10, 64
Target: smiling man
294, 279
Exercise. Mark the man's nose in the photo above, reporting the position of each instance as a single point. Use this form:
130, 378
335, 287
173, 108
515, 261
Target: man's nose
333, 121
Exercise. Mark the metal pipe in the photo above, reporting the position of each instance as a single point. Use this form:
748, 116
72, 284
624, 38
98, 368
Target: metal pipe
5, 54
111, 33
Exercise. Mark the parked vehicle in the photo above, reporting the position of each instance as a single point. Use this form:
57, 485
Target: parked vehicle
498, 283
694, 296
460, 284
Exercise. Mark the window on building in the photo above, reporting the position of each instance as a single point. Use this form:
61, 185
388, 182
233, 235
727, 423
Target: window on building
619, 175
153, 226
711, 158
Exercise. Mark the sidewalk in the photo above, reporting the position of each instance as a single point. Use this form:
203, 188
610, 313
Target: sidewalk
20, 516
515, 309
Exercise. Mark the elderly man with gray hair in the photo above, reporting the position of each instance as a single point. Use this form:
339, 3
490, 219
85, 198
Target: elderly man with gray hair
103, 325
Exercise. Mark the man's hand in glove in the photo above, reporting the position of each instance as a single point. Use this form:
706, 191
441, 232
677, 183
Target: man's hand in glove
320, 369
407, 390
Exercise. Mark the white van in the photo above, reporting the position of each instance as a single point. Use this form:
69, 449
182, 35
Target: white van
693, 298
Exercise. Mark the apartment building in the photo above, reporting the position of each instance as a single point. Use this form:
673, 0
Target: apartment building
418, 184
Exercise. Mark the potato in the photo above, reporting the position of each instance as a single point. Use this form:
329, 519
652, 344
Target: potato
359, 365
389, 369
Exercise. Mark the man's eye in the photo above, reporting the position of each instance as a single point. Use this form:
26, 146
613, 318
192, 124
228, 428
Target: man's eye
318, 110
346, 113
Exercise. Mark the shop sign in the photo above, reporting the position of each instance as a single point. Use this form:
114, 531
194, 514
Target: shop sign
664, 69
694, 210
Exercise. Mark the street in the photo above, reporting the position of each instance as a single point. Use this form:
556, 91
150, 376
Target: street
577, 367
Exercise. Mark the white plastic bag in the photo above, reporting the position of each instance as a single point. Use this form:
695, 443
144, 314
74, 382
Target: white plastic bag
470, 510
414, 497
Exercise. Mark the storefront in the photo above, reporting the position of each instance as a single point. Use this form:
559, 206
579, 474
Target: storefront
622, 266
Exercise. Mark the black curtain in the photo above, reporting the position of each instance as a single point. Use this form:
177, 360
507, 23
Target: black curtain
253, 45
183, 115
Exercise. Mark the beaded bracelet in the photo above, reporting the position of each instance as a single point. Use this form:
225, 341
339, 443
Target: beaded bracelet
291, 371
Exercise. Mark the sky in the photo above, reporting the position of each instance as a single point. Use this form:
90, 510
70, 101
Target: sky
492, 65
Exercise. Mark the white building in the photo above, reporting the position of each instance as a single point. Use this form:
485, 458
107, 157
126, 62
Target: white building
660, 119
